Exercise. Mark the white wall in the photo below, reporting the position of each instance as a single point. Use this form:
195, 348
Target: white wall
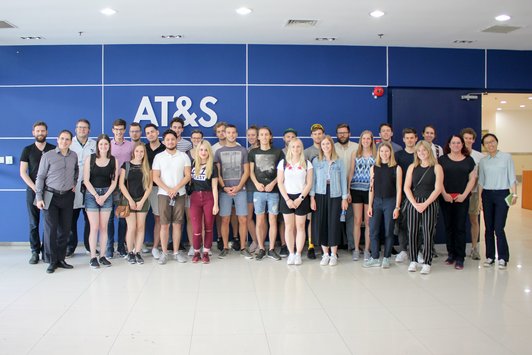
513, 129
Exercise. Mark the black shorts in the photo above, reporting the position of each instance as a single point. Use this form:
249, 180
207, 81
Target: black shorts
359, 196
302, 210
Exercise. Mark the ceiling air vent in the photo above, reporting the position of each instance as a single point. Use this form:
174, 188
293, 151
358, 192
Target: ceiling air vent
5, 24
501, 29
301, 23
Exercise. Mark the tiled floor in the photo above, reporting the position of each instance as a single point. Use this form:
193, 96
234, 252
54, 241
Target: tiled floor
236, 306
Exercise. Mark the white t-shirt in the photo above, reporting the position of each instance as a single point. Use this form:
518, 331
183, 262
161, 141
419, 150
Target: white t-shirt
476, 155
295, 177
172, 168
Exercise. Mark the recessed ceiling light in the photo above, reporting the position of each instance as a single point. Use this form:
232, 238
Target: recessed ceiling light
172, 36
530, 97
527, 290
376, 13
499, 109
519, 266
108, 11
522, 106
503, 101
502, 18
243, 11
327, 39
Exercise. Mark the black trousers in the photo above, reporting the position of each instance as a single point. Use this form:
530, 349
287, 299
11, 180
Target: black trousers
34, 215
57, 222
455, 215
73, 237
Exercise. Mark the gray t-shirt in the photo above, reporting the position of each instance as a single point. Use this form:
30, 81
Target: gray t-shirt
232, 160
311, 152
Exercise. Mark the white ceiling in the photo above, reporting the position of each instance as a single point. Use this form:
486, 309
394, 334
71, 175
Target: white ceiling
419, 23
493, 101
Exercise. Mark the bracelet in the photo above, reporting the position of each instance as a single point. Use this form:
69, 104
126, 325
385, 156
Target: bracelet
397, 208
514, 195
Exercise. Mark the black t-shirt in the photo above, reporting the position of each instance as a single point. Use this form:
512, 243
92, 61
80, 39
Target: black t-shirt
266, 162
32, 155
456, 173
134, 180
153, 153
404, 159
101, 176
200, 182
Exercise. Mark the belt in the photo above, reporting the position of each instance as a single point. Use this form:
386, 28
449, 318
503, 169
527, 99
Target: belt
57, 192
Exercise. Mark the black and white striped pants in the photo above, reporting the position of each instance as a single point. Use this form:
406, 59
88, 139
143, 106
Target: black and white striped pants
427, 220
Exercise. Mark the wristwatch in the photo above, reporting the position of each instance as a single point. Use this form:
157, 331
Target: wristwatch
301, 197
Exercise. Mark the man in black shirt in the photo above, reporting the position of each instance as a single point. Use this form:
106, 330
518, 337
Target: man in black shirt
29, 165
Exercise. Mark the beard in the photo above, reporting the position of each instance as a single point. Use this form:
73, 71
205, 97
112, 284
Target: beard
40, 139
343, 140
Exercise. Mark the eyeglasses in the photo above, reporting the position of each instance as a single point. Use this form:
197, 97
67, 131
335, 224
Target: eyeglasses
342, 133
490, 142
82, 127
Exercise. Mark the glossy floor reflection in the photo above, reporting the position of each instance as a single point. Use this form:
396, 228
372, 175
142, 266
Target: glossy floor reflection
236, 306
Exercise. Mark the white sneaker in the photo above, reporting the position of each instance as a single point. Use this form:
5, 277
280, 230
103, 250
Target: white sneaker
401, 257
291, 259
372, 263
163, 257
333, 260
356, 254
385, 263
191, 251
367, 255
412, 267
324, 260
489, 262
420, 259
297, 259
156, 253
180, 257
502, 264
145, 249
425, 270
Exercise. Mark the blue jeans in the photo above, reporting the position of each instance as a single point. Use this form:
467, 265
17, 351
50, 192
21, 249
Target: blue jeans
263, 199
122, 228
495, 213
382, 211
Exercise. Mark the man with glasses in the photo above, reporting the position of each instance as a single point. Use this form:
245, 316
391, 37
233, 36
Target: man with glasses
135, 132
83, 146
121, 150
344, 148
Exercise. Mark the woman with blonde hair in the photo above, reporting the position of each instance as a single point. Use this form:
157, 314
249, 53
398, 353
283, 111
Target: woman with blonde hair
294, 177
136, 185
359, 178
384, 201
423, 185
203, 200
328, 198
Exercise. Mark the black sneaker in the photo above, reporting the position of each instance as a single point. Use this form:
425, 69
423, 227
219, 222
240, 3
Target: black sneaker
104, 261
272, 254
284, 251
260, 254
131, 258
34, 258
94, 263
236, 244
123, 254
220, 244
139, 259
311, 254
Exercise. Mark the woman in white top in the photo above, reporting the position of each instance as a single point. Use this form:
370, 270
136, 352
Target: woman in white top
294, 178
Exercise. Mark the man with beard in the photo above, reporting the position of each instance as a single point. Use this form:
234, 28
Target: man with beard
29, 165
344, 148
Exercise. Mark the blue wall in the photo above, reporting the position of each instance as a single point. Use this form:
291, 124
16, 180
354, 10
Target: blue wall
278, 85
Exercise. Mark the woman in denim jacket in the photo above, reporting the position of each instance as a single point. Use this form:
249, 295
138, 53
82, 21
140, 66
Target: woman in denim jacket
328, 198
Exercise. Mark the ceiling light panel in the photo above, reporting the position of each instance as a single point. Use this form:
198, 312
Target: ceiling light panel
243, 11
502, 18
376, 13
108, 11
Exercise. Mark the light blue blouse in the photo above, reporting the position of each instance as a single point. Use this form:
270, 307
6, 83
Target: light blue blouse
496, 173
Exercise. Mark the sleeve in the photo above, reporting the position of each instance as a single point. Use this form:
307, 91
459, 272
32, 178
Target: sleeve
214, 171
25, 156
187, 160
280, 166
251, 156
41, 177
481, 173
314, 179
76, 168
511, 171
343, 179
156, 163
245, 156
309, 165
217, 156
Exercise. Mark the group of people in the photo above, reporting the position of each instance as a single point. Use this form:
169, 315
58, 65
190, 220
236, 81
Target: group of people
375, 183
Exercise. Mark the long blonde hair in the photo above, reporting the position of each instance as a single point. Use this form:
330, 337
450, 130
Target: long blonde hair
144, 165
302, 161
360, 149
197, 160
427, 146
334, 155
392, 162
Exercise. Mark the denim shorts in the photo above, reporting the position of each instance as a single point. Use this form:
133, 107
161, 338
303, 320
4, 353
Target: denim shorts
92, 206
225, 201
261, 199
